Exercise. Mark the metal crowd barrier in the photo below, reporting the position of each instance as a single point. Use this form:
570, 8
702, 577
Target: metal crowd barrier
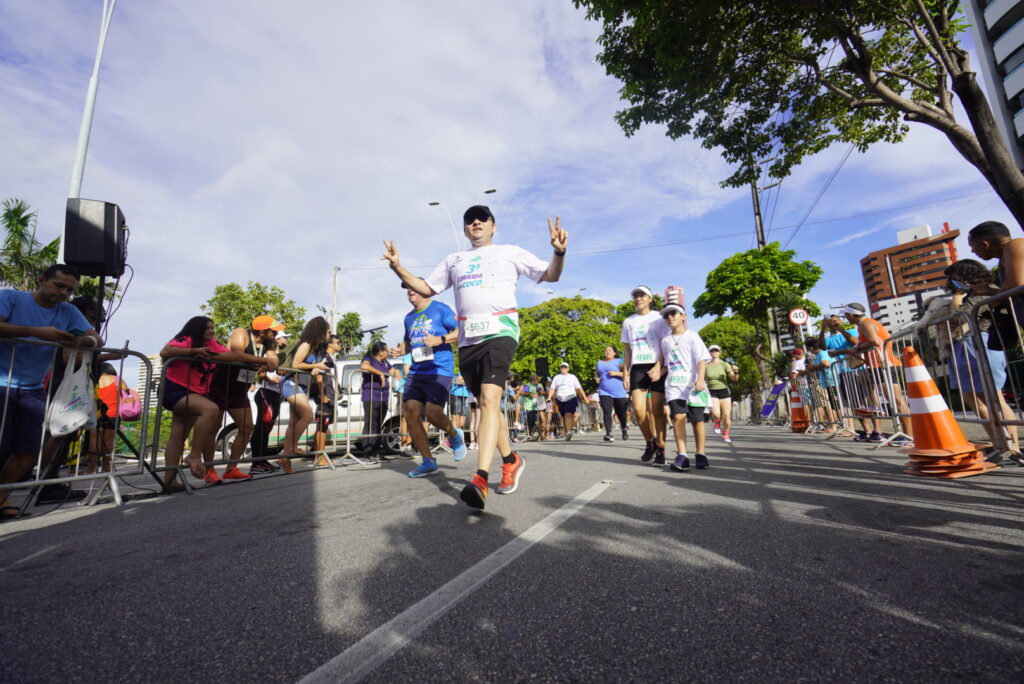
57, 448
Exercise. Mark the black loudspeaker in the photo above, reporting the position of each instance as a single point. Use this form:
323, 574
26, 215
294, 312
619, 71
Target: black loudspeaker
94, 237
540, 364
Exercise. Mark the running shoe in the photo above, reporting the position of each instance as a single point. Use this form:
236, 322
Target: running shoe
718, 427
458, 445
861, 436
625, 435
510, 474
648, 453
262, 468
568, 437
473, 446
475, 493
727, 438
212, 478
236, 475
659, 458
428, 467
681, 464
702, 462
876, 437
901, 442
609, 438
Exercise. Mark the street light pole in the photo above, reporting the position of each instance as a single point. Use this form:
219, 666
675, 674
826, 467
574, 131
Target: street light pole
334, 300
75, 190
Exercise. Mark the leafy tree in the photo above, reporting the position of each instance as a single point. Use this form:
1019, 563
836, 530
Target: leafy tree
233, 306
575, 330
23, 258
738, 340
349, 329
743, 76
750, 283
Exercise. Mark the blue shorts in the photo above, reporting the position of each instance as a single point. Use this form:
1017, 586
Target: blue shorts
428, 389
289, 388
23, 426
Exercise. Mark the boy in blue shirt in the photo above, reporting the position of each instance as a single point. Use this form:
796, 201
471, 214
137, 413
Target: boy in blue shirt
430, 328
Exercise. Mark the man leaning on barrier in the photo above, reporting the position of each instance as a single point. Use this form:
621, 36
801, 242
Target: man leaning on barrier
44, 314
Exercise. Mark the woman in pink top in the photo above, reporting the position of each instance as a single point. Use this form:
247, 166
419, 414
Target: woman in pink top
186, 383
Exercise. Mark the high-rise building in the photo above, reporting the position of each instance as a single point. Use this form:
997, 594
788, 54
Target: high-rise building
140, 380
997, 27
900, 279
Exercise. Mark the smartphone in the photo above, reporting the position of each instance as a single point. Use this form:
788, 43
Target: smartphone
960, 286
76, 331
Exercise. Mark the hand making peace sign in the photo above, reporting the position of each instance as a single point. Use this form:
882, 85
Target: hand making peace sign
559, 237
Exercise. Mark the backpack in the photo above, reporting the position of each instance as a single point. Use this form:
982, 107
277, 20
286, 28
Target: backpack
286, 357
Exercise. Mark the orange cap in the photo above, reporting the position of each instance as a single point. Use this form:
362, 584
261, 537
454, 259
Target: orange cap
263, 322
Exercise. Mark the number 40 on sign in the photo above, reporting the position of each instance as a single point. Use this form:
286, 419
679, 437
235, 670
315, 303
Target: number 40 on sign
798, 316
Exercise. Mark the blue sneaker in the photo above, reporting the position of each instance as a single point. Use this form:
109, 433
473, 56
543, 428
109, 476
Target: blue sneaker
428, 467
702, 462
458, 445
681, 464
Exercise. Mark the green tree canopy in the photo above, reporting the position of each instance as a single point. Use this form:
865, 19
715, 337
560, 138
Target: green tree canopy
743, 77
349, 328
750, 282
23, 258
575, 330
233, 306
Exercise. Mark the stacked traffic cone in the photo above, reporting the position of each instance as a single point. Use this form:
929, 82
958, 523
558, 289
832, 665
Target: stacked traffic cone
798, 419
940, 450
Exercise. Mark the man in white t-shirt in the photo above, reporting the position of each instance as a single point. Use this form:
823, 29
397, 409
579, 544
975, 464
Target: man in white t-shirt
484, 278
568, 392
684, 359
641, 335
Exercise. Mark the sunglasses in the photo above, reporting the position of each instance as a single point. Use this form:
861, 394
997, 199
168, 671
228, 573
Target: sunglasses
476, 216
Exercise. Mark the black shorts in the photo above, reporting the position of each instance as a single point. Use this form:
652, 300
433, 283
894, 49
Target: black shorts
23, 429
723, 393
638, 379
234, 396
694, 414
173, 393
569, 406
427, 389
487, 363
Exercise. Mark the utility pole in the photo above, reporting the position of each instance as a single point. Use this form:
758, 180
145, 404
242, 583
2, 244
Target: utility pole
758, 222
755, 196
334, 300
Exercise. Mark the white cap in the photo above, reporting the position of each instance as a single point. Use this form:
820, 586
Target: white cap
670, 308
564, 365
853, 309
281, 335
641, 288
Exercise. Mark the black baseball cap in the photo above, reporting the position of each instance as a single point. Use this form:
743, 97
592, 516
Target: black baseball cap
477, 211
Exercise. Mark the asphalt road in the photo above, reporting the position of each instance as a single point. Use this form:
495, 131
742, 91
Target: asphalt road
791, 559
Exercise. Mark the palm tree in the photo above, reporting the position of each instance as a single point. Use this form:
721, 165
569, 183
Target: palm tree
22, 257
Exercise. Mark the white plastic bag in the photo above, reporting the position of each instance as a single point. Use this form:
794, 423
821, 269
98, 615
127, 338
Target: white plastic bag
74, 404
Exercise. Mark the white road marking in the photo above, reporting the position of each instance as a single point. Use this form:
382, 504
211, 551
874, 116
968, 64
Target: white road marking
366, 654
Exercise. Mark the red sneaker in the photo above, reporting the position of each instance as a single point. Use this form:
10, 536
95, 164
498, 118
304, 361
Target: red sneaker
475, 493
236, 474
510, 474
212, 478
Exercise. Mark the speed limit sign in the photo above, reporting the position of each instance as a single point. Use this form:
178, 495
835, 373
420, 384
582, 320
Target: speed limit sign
798, 316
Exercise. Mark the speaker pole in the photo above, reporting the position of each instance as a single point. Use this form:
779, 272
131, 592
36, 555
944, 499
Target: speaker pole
75, 190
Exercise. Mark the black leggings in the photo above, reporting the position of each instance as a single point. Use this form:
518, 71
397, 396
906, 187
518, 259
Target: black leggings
268, 405
619, 403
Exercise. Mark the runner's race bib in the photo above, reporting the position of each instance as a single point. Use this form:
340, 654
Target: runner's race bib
643, 354
702, 398
679, 378
420, 354
480, 325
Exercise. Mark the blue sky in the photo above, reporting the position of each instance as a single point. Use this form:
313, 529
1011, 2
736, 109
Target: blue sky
275, 143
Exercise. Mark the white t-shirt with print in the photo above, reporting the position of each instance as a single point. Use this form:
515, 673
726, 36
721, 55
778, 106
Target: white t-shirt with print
485, 280
682, 353
643, 335
565, 386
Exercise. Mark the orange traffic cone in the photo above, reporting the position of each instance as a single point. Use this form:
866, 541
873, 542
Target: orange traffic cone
797, 413
940, 448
